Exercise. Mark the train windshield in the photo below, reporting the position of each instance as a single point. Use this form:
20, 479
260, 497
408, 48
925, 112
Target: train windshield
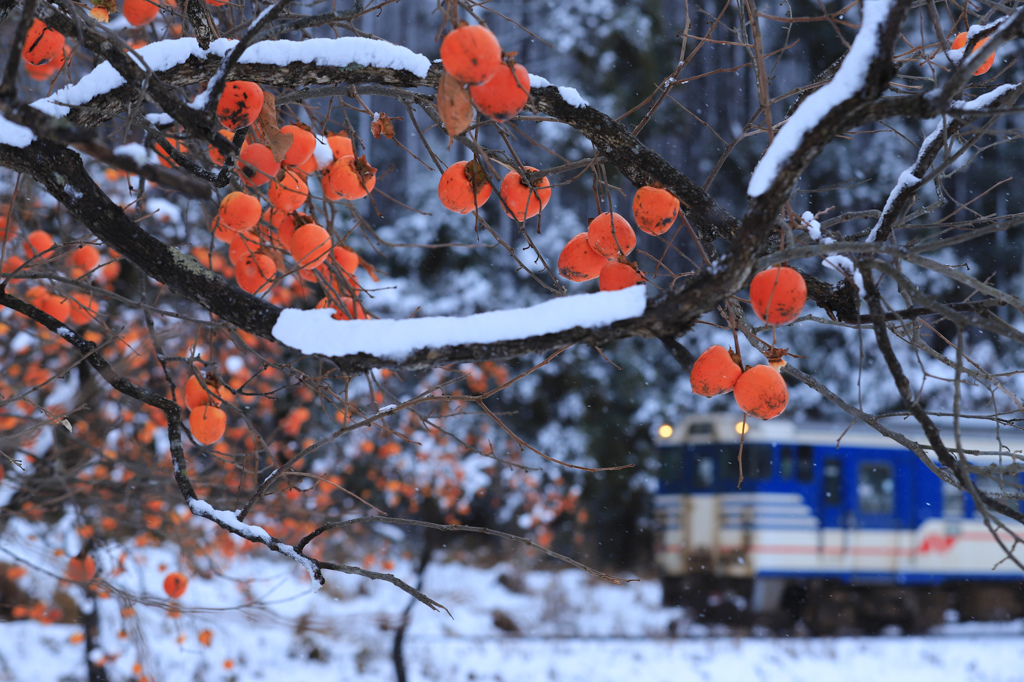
717, 467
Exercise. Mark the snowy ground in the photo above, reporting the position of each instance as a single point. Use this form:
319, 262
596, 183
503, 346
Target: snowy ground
571, 627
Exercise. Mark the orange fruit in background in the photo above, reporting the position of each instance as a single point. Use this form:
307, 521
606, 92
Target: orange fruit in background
302, 146
140, 12
615, 275
84, 258
348, 178
579, 262
83, 308
256, 165
611, 235
714, 372
654, 209
56, 306
961, 40
471, 54
165, 156
520, 200
463, 187
255, 273
42, 44
239, 211
240, 104
288, 192
777, 295
207, 424
310, 245
761, 392
347, 259
176, 583
345, 309
80, 570
36, 242
505, 94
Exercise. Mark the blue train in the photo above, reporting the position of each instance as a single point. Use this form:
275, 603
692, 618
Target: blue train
836, 529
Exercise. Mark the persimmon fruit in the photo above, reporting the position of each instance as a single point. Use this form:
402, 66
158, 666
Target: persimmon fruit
288, 192
578, 261
244, 243
37, 242
348, 178
302, 146
616, 275
471, 54
714, 372
256, 165
344, 309
520, 199
505, 94
240, 104
42, 44
341, 145
140, 12
85, 258
463, 187
175, 584
239, 211
310, 245
761, 392
777, 295
255, 273
611, 235
346, 258
80, 569
654, 209
961, 40
207, 424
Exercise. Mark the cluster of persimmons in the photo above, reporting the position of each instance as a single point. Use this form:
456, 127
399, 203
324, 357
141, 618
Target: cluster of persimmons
777, 296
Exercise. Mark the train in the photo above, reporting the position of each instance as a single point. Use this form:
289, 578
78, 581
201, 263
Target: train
834, 529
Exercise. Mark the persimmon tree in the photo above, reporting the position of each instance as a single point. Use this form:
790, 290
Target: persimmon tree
206, 280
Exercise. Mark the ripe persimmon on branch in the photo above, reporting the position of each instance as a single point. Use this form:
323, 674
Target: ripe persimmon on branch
352, 268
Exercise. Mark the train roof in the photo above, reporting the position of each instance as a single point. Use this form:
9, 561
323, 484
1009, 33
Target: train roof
985, 440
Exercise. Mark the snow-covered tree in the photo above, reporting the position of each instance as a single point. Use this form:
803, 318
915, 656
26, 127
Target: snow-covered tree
221, 321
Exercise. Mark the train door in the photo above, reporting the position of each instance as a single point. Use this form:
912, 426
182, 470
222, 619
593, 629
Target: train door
879, 506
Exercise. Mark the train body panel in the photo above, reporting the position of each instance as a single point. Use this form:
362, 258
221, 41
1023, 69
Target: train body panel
814, 508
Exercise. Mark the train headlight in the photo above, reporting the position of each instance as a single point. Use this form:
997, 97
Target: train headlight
742, 427
665, 430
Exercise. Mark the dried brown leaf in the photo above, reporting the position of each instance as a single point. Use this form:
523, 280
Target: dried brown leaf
454, 105
278, 142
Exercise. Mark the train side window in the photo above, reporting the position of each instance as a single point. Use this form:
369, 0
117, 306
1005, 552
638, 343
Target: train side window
833, 483
952, 500
757, 461
786, 463
703, 471
1000, 486
876, 488
805, 463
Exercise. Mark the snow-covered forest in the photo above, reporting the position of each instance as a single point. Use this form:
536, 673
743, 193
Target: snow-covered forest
188, 390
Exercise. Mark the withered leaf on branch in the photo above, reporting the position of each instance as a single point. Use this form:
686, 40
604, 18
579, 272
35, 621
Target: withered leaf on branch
454, 105
277, 141
382, 125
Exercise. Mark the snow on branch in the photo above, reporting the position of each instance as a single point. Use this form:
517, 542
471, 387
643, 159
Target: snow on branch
167, 54
15, 135
849, 80
315, 331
